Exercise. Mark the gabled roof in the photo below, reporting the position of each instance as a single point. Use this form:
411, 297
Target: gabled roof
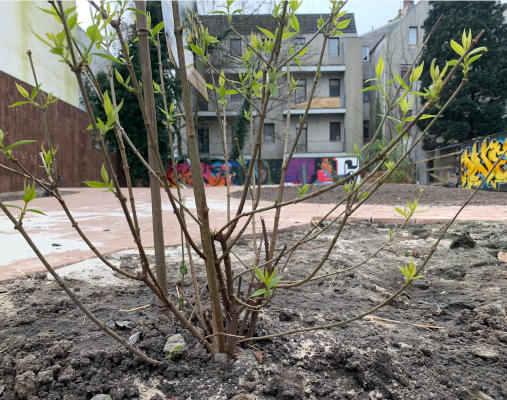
245, 24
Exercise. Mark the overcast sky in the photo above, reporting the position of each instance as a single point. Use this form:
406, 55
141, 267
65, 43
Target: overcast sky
369, 14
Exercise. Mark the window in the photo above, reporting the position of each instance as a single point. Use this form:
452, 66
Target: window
203, 139
365, 54
334, 47
236, 97
269, 133
334, 88
412, 35
299, 42
366, 95
301, 144
300, 91
403, 70
235, 47
366, 131
334, 131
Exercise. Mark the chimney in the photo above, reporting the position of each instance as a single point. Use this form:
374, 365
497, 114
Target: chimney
406, 6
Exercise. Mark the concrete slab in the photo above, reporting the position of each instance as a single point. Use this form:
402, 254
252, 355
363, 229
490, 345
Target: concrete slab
99, 216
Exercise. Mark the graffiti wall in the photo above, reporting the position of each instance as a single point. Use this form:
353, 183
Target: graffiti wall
477, 162
321, 170
318, 170
213, 173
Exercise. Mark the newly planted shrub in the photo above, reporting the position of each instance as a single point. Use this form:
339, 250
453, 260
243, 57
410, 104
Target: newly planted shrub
236, 292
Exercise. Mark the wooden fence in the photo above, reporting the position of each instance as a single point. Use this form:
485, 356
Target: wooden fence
77, 158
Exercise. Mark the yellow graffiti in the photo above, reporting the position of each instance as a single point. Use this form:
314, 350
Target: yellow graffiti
476, 165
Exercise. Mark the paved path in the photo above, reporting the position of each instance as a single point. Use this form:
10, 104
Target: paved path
101, 219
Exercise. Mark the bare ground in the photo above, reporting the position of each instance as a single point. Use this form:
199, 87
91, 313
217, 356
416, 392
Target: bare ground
395, 194
458, 350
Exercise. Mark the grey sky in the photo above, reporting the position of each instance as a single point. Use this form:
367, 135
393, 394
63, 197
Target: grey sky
369, 14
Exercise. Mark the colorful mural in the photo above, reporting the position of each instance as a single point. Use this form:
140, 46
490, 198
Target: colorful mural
213, 173
321, 170
476, 164
318, 170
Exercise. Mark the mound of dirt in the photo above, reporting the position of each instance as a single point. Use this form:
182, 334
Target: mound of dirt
444, 338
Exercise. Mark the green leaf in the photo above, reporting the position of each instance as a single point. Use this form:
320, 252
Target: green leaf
95, 184
119, 78
36, 211
156, 87
29, 193
19, 143
103, 174
22, 91
157, 28
400, 211
94, 33
457, 47
303, 190
343, 24
258, 292
266, 32
474, 58
288, 35
370, 88
19, 103
13, 206
258, 273
477, 50
137, 11
379, 68
107, 57
401, 81
34, 93
416, 73
197, 50
272, 283
294, 22
108, 106
183, 269
72, 22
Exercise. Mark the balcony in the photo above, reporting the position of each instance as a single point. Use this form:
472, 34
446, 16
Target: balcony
313, 68
320, 105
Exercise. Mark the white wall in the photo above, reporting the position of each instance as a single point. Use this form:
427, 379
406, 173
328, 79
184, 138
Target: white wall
17, 19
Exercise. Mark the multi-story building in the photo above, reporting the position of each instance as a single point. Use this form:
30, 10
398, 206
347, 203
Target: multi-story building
399, 43
334, 123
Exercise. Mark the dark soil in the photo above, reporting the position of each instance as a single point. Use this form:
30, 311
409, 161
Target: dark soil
459, 351
394, 194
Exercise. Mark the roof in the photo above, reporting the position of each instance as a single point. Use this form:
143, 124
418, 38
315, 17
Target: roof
245, 24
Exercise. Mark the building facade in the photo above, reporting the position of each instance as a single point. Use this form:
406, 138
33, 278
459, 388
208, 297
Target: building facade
334, 123
78, 159
399, 44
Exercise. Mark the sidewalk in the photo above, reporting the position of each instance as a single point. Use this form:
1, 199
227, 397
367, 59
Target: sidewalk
100, 217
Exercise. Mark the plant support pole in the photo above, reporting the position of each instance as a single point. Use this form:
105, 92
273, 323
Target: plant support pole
149, 101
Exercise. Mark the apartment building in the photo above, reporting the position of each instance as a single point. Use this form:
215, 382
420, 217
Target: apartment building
399, 43
334, 123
